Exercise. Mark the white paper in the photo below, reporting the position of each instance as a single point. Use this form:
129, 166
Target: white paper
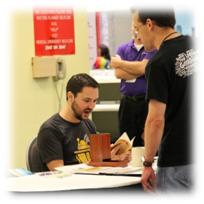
131, 80
109, 170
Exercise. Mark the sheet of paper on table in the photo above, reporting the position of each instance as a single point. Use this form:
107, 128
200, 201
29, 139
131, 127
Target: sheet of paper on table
86, 169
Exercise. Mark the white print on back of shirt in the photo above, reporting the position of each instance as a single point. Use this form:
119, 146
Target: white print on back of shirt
185, 63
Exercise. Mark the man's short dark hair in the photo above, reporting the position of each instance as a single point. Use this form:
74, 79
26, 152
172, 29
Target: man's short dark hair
162, 18
77, 82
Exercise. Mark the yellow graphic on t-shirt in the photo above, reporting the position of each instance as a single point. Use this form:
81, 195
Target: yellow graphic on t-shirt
83, 151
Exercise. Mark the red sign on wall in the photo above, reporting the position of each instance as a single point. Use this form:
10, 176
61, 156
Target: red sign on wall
54, 31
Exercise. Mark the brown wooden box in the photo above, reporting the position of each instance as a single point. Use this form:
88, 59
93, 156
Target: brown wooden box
100, 151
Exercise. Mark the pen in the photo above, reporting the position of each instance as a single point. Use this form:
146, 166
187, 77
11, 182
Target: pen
111, 174
108, 174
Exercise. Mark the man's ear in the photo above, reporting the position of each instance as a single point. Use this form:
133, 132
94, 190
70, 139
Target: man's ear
149, 24
70, 96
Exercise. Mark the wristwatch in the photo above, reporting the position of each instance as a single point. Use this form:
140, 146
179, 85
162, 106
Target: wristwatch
147, 163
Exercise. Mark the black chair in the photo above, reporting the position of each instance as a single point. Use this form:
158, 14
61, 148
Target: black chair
33, 160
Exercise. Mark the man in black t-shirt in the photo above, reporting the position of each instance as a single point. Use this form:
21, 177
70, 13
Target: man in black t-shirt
63, 138
169, 75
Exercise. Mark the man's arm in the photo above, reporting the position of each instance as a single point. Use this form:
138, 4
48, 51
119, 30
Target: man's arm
136, 68
154, 127
121, 74
54, 164
50, 148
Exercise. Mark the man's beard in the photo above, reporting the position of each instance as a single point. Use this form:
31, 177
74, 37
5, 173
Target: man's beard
77, 113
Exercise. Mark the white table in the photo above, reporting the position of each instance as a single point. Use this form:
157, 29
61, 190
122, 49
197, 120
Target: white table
35, 183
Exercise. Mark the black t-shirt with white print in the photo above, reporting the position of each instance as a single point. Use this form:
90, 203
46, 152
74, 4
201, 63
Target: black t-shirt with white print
169, 75
59, 139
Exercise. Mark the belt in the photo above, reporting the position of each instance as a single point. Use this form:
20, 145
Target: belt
135, 98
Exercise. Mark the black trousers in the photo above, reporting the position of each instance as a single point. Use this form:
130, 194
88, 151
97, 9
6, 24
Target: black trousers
132, 116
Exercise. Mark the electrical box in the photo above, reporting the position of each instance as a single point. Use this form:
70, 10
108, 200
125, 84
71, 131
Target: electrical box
48, 67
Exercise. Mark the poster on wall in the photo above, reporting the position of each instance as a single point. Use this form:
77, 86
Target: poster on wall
53, 31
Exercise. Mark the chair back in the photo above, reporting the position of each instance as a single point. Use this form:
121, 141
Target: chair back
33, 160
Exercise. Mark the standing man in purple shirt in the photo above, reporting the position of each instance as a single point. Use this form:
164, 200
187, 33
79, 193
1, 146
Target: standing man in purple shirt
129, 64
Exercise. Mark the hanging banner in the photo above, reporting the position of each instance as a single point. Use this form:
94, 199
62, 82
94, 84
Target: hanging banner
53, 31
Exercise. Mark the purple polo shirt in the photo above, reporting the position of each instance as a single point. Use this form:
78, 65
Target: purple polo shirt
129, 52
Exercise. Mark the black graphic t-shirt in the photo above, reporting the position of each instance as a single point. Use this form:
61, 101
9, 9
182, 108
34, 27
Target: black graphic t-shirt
169, 75
59, 139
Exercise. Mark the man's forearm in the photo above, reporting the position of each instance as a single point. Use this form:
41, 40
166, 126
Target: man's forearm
152, 138
121, 74
136, 68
